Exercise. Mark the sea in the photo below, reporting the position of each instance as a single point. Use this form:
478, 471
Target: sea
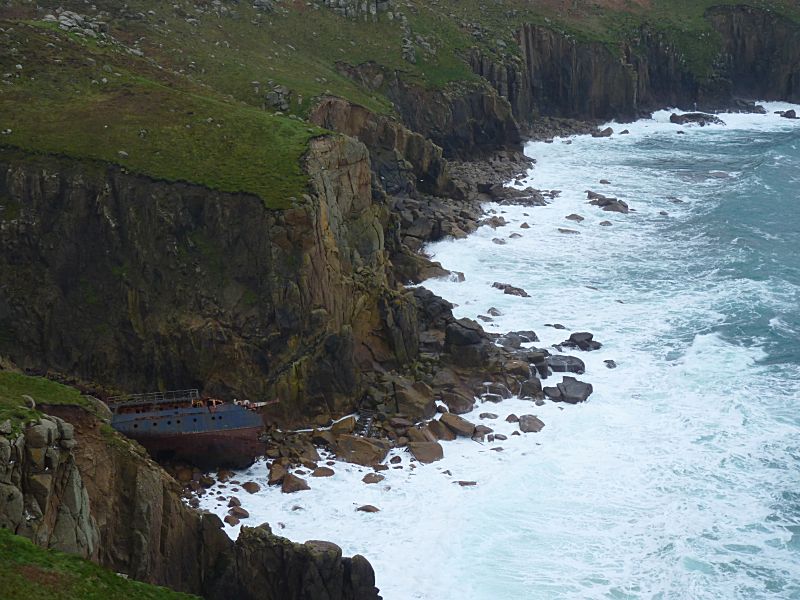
679, 478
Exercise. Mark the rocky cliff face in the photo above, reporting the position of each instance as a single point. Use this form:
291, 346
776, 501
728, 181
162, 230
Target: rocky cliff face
42, 494
561, 76
761, 53
143, 284
75, 485
467, 121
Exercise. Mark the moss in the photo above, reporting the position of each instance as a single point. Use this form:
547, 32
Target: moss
13, 406
144, 121
28, 572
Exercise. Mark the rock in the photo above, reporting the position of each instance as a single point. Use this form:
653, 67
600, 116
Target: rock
421, 434
531, 388
583, 341
231, 520
458, 425
561, 363
426, 452
610, 364
497, 389
574, 217
464, 332
400, 423
605, 182
553, 393
346, 425
293, 483
441, 431
500, 437
5, 427
324, 438
487, 416
624, 132
251, 487
605, 223
530, 424
481, 431
234, 501
789, 114
276, 473
515, 236
604, 133
368, 508
510, 289
457, 403
467, 483
238, 512
361, 450
499, 241
568, 231
494, 312
512, 418
701, 119
574, 391
372, 478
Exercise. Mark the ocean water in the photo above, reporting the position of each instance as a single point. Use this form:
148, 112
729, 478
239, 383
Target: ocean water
680, 477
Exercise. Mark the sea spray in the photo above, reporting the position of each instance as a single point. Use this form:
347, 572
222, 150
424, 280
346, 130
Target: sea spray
679, 477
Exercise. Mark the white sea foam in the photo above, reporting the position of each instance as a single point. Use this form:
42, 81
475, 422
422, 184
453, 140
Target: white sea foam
670, 482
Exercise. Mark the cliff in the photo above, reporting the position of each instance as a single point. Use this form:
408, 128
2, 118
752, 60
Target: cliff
749, 53
138, 284
69, 482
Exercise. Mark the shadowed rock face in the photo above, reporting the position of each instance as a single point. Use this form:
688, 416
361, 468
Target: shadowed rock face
560, 76
73, 485
137, 283
761, 53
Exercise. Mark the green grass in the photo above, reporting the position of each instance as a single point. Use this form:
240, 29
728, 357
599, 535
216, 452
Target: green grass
145, 121
13, 386
193, 107
28, 572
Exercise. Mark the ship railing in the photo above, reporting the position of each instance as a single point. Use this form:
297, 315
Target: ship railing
168, 397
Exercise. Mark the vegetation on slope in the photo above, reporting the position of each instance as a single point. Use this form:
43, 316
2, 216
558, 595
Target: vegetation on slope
185, 91
15, 386
28, 572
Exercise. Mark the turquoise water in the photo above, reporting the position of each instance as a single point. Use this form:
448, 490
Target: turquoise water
680, 477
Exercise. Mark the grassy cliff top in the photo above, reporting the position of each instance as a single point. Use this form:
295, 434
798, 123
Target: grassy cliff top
66, 95
28, 572
216, 93
14, 386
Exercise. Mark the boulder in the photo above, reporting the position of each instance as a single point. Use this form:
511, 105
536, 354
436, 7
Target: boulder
372, 478
421, 434
574, 391
789, 114
574, 217
231, 520
697, 118
553, 393
610, 364
531, 388
458, 425
530, 424
561, 363
251, 487
238, 512
361, 450
481, 431
346, 425
457, 403
441, 431
293, 483
426, 452
583, 341
463, 332
603, 133
512, 418
322, 472
276, 473
368, 508
510, 289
